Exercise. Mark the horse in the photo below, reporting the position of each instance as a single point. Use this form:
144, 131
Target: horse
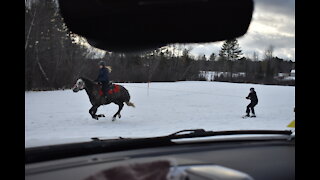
117, 94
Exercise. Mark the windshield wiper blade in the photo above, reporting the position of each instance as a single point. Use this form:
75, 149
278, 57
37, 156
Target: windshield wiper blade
194, 133
45, 153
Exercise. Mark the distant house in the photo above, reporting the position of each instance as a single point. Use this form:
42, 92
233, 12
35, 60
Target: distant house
293, 73
211, 75
286, 76
292, 76
282, 75
208, 75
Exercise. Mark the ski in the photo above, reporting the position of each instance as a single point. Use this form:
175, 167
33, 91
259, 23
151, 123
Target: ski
245, 116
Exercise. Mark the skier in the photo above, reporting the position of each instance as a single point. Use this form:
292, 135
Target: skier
103, 77
254, 101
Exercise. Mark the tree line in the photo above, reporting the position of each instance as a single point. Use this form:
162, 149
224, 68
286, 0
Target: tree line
256, 70
54, 60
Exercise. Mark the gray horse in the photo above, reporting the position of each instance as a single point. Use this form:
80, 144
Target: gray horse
117, 94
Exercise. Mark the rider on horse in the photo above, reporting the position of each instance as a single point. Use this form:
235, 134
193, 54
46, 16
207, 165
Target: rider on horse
103, 77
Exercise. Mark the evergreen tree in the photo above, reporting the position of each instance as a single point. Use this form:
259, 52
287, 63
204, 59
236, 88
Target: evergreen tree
212, 57
230, 50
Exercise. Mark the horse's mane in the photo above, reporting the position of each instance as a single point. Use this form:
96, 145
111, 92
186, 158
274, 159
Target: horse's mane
89, 83
85, 79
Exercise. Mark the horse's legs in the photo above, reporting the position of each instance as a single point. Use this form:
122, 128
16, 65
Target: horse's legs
93, 111
118, 112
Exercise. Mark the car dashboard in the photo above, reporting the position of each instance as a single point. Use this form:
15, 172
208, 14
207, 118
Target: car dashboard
258, 158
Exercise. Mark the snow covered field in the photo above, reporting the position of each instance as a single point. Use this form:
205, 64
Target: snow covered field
163, 108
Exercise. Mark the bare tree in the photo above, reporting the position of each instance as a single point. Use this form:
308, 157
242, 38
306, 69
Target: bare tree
268, 54
30, 28
255, 56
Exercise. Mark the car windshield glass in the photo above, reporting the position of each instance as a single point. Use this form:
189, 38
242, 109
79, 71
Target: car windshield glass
74, 91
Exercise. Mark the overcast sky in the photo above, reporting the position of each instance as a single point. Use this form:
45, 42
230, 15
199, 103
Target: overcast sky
273, 23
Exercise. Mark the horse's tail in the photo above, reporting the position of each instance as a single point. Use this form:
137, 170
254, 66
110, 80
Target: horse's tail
130, 104
126, 96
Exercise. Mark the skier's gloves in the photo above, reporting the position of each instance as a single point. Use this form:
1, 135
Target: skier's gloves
109, 68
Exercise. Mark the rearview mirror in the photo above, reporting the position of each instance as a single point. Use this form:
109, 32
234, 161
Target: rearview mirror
136, 25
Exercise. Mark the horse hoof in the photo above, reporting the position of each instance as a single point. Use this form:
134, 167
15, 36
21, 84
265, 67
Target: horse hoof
114, 118
119, 116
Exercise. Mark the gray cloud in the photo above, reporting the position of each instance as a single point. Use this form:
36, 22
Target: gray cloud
284, 47
276, 18
273, 23
285, 7
262, 41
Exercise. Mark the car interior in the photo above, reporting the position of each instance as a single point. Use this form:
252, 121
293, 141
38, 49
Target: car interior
139, 25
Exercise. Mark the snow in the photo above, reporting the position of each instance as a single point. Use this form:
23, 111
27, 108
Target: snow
53, 117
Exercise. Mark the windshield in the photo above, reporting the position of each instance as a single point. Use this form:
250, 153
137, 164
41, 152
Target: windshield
74, 92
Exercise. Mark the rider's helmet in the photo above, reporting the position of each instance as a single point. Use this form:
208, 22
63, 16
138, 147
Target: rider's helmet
102, 63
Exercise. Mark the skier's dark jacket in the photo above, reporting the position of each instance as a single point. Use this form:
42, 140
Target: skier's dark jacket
103, 75
253, 97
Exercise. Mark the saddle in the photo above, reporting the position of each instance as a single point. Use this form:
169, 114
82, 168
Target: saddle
112, 88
